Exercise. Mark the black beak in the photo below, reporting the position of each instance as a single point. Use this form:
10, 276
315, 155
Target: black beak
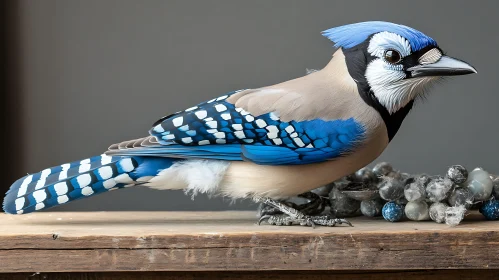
445, 66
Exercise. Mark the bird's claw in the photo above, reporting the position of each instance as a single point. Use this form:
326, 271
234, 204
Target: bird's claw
310, 221
266, 210
315, 206
330, 222
276, 220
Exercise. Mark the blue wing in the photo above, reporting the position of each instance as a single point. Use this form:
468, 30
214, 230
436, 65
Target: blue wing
218, 130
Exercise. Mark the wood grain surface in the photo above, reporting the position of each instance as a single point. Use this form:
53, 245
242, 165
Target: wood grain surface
230, 241
262, 275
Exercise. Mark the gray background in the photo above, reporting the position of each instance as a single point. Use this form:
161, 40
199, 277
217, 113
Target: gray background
92, 73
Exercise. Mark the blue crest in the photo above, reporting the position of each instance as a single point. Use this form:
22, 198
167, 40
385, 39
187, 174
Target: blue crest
351, 35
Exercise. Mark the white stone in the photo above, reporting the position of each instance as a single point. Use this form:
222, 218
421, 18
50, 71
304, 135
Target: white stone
417, 211
480, 184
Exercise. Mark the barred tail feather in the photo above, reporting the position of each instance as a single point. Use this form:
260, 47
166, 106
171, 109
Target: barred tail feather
61, 184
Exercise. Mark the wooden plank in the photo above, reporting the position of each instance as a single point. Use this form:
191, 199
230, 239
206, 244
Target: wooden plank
265, 275
219, 241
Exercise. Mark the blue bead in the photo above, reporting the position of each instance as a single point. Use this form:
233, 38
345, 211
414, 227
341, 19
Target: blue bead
490, 210
392, 211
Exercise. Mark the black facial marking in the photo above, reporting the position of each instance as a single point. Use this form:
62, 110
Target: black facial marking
357, 59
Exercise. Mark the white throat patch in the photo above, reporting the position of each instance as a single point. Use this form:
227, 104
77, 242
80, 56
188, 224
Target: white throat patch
390, 87
387, 80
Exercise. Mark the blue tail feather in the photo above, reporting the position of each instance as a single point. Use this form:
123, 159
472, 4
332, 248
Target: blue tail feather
61, 184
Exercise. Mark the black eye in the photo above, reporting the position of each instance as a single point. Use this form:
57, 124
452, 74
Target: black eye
392, 56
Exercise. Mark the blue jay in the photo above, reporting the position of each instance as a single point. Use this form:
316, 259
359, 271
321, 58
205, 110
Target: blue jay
268, 143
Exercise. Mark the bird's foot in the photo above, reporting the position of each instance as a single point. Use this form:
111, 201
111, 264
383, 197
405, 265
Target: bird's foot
315, 206
267, 210
292, 215
310, 221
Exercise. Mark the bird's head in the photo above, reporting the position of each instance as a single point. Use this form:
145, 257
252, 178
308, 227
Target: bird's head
391, 63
